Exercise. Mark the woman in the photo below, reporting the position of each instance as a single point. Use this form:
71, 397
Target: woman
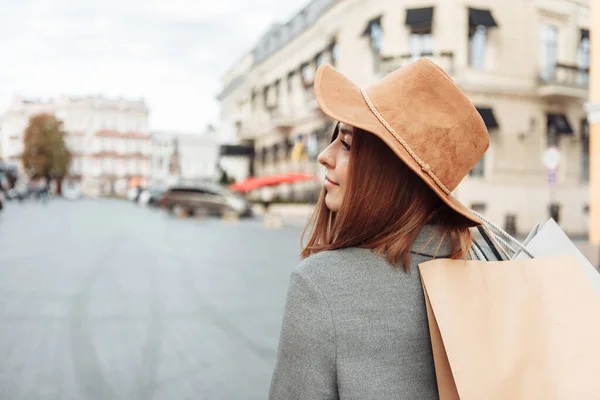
355, 323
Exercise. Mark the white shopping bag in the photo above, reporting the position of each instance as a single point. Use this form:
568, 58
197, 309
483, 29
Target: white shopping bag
551, 240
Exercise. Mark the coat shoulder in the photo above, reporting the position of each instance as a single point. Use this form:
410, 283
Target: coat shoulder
334, 264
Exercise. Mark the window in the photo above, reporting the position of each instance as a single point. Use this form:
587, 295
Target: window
480, 20
585, 151
421, 43
510, 224
276, 89
266, 96
479, 168
479, 207
549, 36
420, 22
320, 59
375, 35
290, 81
334, 49
477, 39
307, 75
552, 139
583, 58
557, 124
253, 100
276, 155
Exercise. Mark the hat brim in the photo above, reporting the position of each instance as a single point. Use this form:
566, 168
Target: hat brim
341, 100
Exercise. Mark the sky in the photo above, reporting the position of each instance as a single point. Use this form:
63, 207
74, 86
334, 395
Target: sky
171, 53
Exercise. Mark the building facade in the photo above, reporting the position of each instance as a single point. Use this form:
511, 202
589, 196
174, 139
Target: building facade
525, 66
593, 108
184, 158
108, 139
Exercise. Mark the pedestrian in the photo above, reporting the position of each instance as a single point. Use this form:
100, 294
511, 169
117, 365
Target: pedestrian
266, 198
355, 322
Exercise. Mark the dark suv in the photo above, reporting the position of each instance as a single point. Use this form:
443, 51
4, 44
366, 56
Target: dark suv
205, 200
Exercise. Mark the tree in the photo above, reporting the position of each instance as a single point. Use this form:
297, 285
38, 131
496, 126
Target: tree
45, 154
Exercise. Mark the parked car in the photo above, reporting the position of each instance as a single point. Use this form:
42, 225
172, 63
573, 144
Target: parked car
205, 200
133, 194
151, 196
19, 194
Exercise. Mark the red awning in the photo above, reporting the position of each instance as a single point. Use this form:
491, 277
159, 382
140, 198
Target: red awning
258, 182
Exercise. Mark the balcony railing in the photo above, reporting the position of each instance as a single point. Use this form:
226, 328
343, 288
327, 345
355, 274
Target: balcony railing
565, 75
563, 80
444, 59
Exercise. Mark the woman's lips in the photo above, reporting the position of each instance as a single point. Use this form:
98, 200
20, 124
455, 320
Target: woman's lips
329, 182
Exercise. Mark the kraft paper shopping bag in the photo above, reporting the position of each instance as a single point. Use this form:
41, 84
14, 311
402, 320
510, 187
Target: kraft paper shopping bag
520, 329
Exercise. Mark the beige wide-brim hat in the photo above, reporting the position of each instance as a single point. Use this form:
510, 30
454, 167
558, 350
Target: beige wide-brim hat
421, 114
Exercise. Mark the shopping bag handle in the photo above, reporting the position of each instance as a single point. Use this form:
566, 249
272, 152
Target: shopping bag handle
502, 236
489, 239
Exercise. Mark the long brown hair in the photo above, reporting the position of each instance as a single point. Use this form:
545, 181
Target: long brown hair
385, 207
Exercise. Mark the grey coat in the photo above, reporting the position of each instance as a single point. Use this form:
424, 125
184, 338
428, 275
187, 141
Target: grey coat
354, 327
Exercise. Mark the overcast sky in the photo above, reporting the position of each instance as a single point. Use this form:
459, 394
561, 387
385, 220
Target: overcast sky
172, 53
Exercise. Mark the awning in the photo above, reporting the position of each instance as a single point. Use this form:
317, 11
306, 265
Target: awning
560, 123
481, 17
419, 16
585, 34
374, 21
274, 180
487, 114
236, 150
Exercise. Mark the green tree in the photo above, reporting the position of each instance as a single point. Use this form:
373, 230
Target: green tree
45, 154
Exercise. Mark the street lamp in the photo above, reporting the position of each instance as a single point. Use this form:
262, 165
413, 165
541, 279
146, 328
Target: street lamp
551, 161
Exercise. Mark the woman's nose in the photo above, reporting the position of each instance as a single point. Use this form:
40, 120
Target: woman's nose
326, 158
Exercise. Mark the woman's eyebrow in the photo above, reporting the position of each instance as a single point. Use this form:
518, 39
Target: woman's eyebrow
345, 130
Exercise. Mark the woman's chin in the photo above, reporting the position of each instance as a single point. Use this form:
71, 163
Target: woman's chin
331, 204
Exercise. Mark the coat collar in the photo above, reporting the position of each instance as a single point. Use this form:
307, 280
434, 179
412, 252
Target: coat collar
428, 243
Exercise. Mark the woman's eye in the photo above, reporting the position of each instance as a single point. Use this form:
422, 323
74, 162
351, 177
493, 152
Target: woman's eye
345, 144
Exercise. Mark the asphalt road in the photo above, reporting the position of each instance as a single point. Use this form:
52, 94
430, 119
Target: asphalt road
103, 299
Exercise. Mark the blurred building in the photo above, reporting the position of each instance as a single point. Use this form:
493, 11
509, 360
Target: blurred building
184, 158
524, 65
108, 138
593, 109
237, 151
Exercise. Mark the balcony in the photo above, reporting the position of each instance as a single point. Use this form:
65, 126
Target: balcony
279, 119
254, 127
444, 59
563, 81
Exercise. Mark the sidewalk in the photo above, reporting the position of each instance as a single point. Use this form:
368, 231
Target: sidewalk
297, 215
591, 252
294, 215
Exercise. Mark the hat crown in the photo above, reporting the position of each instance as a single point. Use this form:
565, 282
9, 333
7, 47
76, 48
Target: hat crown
422, 104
